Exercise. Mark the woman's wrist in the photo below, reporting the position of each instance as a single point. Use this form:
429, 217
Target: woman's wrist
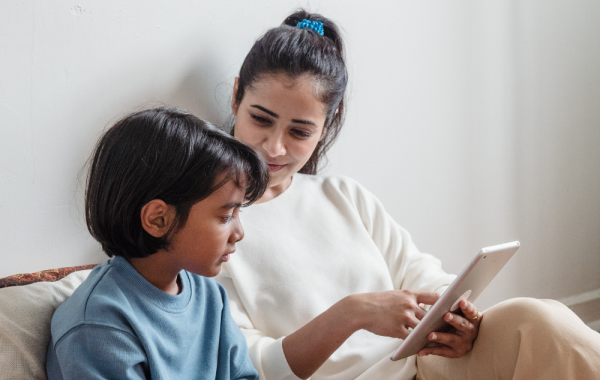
353, 311
309, 347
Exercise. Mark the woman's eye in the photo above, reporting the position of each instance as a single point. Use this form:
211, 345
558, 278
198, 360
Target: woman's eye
301, 134
261, 120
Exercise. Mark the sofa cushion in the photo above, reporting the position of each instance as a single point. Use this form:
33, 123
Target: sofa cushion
25, 315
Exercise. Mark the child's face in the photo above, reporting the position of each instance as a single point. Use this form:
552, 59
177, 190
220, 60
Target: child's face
210, 233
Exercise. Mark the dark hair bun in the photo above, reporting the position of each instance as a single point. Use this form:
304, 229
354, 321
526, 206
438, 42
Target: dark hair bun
330, 29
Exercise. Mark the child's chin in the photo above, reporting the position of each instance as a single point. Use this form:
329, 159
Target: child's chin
212, 272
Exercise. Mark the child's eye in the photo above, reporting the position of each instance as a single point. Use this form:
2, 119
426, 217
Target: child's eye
227, 219
261, 120
301, 134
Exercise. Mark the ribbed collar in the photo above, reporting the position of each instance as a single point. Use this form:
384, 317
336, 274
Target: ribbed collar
166, 301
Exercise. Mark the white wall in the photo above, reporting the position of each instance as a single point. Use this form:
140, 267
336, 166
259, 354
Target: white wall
475, 122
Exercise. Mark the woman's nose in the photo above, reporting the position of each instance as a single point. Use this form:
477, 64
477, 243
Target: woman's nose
274, 144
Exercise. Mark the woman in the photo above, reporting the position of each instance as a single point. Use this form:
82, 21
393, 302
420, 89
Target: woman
326, 282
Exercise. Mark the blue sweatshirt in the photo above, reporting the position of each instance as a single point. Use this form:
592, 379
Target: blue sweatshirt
117, 325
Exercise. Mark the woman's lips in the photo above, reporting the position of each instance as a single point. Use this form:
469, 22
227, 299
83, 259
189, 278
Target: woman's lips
274, 167
272, 163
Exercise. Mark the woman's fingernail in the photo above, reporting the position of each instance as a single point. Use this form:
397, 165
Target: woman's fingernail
433, 336
449, 317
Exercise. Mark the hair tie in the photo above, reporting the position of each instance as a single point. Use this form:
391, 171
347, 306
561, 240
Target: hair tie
317, 26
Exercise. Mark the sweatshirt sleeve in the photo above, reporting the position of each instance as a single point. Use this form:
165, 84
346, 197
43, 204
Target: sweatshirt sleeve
232, 348
96, 352
266, 353
409, 268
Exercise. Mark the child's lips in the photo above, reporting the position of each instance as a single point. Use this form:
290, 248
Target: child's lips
225, 258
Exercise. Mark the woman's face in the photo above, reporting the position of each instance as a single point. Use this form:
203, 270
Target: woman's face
282, 119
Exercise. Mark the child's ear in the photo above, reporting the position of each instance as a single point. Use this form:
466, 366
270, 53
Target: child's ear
234, 105
156, 217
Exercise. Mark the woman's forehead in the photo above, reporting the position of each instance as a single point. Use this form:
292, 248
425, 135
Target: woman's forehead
281, 91
304, 82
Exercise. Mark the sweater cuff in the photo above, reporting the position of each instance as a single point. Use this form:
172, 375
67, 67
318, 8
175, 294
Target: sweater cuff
274, 363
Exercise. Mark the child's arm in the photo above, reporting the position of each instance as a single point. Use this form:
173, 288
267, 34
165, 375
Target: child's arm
233, 348
96, 352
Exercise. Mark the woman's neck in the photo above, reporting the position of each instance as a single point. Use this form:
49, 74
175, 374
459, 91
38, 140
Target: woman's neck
275, 190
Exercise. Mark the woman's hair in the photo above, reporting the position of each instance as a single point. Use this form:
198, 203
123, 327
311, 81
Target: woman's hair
293, 51
161, 154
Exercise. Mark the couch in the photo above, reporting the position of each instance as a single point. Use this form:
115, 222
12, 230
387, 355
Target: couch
27, 303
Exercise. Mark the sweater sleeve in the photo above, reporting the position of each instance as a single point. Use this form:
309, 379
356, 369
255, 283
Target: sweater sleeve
409, 268
96, 352
232, 348
266, 353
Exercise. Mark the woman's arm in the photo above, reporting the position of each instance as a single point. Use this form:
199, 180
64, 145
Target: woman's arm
408, 267
388, 313
411, 269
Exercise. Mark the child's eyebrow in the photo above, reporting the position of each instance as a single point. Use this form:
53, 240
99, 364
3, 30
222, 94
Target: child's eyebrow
230, 205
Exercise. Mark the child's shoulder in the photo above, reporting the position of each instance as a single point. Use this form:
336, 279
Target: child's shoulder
99, 291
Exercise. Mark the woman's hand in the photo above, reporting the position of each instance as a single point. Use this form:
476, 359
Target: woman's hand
392, 313
388, 313
459, 340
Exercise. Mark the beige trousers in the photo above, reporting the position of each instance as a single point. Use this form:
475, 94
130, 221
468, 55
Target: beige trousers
523, 339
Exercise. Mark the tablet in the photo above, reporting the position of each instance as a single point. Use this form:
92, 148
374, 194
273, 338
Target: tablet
468, 285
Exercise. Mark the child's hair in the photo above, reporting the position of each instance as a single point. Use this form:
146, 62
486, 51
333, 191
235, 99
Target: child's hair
161, 154
293, 51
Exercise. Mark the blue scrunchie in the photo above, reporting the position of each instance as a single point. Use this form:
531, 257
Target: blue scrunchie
317, 26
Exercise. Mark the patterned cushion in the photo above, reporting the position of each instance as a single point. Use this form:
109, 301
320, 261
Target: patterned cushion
45, 275
25, 315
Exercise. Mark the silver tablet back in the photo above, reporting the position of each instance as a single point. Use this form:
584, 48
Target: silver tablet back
468, 285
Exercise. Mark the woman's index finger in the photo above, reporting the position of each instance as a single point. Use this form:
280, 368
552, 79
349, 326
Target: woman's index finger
428, 298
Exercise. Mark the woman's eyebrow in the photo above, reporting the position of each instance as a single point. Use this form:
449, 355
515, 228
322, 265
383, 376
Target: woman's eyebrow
303, 122
265, 110
307, 122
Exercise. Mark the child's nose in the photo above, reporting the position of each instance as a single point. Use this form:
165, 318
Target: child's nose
238, 232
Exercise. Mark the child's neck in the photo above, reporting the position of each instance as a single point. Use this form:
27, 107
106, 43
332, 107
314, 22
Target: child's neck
157, 269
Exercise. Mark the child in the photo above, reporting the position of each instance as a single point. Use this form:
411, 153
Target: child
163, 198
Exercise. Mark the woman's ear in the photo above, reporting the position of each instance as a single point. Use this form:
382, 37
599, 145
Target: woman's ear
323, 133
234, 105
156, 217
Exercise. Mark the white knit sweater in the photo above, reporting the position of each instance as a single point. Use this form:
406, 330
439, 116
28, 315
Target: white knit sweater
321, 240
